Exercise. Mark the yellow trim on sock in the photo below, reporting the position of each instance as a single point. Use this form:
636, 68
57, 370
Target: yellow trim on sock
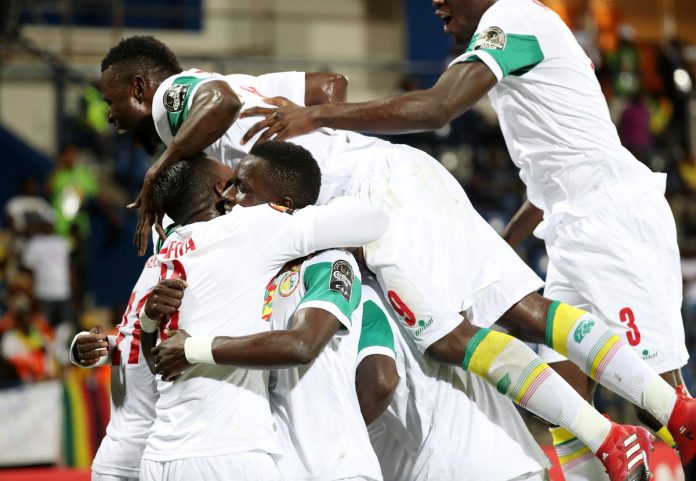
487, 351
569, 457
530, 379
602, 354
561, 436
665, 435
563, 322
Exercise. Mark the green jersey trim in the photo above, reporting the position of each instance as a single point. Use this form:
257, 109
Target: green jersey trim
516, 55
321, 289
176, 100
375, 331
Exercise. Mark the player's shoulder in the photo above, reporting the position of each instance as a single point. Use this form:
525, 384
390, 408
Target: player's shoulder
341, 261
508, 14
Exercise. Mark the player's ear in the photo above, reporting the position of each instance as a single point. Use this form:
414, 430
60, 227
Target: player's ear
287, 202
138, 84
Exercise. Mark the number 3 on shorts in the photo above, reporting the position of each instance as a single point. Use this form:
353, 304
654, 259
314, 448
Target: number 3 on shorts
627, 317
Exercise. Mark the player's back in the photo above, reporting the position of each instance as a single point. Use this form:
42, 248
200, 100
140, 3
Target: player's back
444, 418
552, 112
315, 406
214, 410
133, 389
345, 158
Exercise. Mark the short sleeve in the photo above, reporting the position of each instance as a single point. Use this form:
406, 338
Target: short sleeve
376, 336
290, 85
505, 42
332, 286
29, 257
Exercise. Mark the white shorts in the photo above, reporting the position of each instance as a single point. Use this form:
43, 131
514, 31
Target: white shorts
622, 264
439, 257
251, 466
109, 477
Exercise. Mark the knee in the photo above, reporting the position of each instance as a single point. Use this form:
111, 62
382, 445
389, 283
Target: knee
452, 347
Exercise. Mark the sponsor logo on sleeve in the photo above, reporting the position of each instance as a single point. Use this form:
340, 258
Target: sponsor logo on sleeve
342, 278
174, 97
493, 38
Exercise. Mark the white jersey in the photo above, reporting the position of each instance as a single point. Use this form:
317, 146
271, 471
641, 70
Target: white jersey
219, 410
133, 389
332, 149
553, 114
315, 407
443, 424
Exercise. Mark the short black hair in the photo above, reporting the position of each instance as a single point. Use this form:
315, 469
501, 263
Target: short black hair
182, 185
142, 53
292, 170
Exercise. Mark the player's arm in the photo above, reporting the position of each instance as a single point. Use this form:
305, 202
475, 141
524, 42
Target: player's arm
91, 349
214, 108
311, 331
457, 89
376, 376
163, 301
325, 88
522, 223
326, 306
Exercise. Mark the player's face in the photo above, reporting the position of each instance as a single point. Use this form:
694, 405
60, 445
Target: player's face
127, 108
461, 17
248, 186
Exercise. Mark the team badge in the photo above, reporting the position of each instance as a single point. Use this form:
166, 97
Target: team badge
342, 278
493, 38
288, 283
174, 97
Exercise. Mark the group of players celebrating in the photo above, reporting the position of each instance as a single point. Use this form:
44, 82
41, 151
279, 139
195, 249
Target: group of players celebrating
324, 308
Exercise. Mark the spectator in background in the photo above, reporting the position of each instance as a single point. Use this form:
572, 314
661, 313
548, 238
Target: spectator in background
634, 128
27, 339
27, 204
624, 64
72, 185
47, 257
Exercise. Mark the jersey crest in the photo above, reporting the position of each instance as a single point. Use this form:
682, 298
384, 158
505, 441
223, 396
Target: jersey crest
174, 97
493, 38
342, 278
288, 283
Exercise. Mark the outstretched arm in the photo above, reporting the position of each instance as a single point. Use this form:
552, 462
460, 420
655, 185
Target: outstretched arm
311, 330
214, 108
457, 89
325, 88
376, 379
522, 223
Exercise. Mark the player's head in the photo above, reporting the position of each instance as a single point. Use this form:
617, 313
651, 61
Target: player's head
461, 17
191, 190
131, 73
278, 172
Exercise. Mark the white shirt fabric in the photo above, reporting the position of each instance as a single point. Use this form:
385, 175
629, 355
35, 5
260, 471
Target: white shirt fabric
48, 256
218, 410
133, 389
332, 149
553, 114
444, 424
316, 408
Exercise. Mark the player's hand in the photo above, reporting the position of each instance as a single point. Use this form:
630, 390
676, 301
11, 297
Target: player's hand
170, 357
89, 348
288, 120
149, 212
165, 298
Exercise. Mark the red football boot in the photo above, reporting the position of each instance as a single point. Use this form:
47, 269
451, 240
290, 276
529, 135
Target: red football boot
682, 425
625, 453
